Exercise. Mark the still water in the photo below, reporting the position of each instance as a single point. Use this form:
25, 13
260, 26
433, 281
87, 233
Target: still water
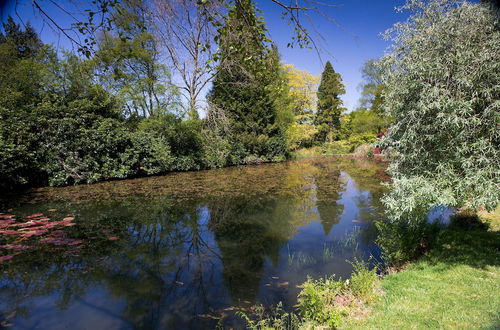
186, 250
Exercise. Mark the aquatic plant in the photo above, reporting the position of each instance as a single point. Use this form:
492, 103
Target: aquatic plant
328, 252
35, 231
350, 239
300, 259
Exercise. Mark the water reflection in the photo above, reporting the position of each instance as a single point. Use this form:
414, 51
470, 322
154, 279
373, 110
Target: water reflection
194, 247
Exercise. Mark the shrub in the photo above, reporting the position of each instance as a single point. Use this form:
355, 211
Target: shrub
356, 140
365, 149
216, 150
238, 153
18, 166
323, 303
402, 242
316, 302
275, 147
363, 281
183, 136
336, 147
107, 150
254, 160
150, 154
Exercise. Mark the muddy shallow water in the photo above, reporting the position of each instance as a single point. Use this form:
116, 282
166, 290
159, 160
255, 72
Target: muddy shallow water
186, 249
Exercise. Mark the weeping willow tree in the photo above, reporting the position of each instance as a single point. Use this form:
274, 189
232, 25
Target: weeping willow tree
442, 78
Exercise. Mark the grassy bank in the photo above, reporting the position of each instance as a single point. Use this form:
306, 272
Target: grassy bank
456, 285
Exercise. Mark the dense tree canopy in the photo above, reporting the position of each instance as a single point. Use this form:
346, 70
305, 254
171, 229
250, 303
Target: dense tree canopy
128, 63
67, 119
441, 87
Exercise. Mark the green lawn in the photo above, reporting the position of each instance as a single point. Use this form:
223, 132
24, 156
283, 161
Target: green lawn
456, 286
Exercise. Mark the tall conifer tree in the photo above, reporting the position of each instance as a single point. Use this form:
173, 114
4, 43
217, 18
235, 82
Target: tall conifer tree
244, 86
329, 104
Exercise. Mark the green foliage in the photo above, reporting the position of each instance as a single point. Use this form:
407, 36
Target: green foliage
364, 121
316, 302
27, 44
336, 147
128, 64
369, 117
402, 242
347, 146
277, 319
329, 107
216, 150
251, 87
329, 302
363, 281
183, 137
302, 85
58, 127
356, 140
441, 87
370, 87
321, 303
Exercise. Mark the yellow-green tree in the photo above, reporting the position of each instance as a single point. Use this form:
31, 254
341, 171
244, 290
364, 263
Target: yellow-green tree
302, 85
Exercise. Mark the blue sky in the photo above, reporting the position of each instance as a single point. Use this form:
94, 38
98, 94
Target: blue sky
355, 39
347, 44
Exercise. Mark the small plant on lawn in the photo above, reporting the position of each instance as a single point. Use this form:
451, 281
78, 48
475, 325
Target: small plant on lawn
318, 302
363, 281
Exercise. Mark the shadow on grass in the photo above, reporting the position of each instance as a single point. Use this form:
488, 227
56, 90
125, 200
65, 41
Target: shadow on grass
467, 242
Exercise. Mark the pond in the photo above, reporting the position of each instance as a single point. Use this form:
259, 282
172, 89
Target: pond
186, 249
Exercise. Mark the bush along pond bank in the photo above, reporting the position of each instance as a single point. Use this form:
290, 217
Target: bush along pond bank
449, 279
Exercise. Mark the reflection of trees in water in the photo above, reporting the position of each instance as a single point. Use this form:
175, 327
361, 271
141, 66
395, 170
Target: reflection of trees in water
151, 274
247, 231
329, 189
165, 267
175, 258
254, 227
368, 177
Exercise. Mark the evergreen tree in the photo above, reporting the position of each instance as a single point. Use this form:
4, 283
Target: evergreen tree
245, 85
27, 43
329, 104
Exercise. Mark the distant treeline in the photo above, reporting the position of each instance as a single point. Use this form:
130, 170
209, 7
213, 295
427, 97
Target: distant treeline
116, 113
